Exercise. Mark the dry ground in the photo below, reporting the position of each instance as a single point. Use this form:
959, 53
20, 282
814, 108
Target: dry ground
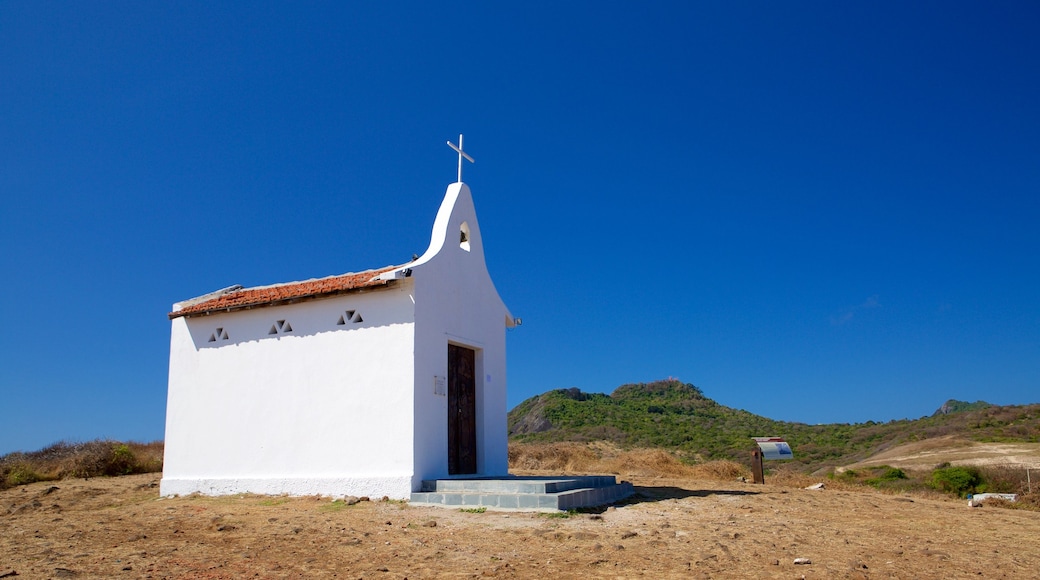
930, 452
119, 527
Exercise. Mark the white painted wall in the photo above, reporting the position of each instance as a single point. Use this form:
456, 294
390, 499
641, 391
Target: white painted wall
323, 409
456, 302
334, 410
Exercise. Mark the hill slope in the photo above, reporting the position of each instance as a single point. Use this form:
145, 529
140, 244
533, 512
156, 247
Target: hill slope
955, 406
678, 416
926, 454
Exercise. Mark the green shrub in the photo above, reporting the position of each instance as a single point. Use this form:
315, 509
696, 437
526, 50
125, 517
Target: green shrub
122, 461
848, 474
888, 474
890, 478
21, 474
959, 479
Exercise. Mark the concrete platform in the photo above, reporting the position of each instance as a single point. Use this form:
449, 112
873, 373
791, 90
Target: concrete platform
523, 493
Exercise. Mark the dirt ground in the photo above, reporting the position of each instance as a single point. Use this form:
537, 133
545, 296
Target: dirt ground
120, 528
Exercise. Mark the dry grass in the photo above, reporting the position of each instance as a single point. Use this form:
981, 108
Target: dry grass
607, 458
604, 457
65, 459
1030, 502
925, 454
108, 458
1012, 479
786, 476
567, 457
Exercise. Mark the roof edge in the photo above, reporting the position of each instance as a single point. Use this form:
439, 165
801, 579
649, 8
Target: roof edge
237, 297
374, 286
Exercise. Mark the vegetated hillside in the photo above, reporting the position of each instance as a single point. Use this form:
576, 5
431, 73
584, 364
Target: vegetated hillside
955, 406
678, 416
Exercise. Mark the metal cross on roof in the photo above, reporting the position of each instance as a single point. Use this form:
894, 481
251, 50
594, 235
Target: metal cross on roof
462, 155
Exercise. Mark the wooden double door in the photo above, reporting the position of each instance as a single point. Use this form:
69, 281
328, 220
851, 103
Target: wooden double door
462, 410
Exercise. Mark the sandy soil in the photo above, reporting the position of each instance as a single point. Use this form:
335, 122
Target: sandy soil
931, 452
118, 527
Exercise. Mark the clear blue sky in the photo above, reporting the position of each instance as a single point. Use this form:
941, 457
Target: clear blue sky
813, 211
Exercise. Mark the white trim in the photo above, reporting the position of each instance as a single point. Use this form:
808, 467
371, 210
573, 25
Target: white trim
394, 487
462, 341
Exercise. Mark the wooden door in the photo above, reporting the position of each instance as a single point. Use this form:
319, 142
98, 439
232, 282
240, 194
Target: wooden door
462, 410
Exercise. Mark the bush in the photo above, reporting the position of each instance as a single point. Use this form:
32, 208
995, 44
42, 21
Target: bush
846, 474
19, 474
122, 461
889, 474
960, 479
1004, 479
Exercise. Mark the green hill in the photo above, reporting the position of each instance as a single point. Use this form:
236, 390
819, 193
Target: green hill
955, 406
678, 416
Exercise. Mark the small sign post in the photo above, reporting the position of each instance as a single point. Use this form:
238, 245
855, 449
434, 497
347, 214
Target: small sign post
771, 448
757, 472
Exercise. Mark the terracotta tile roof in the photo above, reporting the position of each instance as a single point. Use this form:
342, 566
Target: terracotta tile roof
238, 298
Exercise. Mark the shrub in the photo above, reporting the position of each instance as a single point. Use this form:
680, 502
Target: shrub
1029, 501
847, 474
148, 456
19, 474
888, 475
1004, 479
93, 459
960, 479
122, 461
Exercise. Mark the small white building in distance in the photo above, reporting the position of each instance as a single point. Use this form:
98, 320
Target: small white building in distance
361, 384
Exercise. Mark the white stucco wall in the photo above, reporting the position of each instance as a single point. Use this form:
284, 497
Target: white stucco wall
456, 301
341, 409
324, 409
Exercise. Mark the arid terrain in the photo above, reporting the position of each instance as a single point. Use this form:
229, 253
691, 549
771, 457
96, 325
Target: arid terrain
957, 451
676, 527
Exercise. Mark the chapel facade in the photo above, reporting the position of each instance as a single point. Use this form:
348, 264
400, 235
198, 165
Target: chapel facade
359, 384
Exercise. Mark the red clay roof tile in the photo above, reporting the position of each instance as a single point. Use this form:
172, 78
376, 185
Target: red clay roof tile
242, 298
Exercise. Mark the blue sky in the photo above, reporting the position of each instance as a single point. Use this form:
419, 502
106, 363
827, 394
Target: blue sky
813, 211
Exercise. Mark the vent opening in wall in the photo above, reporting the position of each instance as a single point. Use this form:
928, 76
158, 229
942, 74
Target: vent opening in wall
352, 316
464, 236
220, 334
280, 327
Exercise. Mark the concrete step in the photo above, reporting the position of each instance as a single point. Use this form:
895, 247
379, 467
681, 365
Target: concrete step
523, 493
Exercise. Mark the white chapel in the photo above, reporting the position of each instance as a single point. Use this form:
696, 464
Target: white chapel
360, 384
